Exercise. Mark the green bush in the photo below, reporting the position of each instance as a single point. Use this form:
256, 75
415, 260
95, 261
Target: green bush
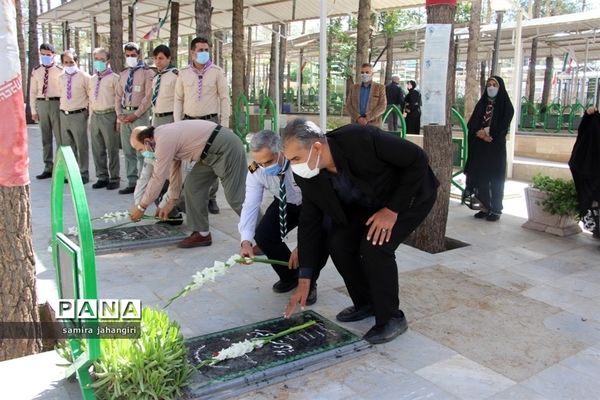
562, 196
154, 366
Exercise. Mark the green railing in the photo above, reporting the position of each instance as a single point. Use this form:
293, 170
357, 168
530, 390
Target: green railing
241, 117
463, 145
393, 109
268, 105
553, 118
577, 112
529, 115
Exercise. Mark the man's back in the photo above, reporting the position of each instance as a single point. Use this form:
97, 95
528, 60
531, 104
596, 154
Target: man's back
394, 94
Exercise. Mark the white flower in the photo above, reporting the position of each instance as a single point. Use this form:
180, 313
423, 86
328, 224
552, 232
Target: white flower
234, 259
238, 349
115, 216
49, 249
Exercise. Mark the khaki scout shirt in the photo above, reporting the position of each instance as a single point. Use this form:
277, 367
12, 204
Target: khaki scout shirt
166, 91
215, 95
80, 86
141, 92
106, 92
37, 83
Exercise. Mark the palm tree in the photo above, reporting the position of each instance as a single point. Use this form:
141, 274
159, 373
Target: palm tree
174, 31
537, 6
437, 142
33, 53
21, 44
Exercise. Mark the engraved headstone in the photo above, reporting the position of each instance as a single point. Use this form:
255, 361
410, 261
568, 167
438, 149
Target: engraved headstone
316, 347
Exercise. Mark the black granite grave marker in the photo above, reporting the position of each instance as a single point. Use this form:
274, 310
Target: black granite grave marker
307, 350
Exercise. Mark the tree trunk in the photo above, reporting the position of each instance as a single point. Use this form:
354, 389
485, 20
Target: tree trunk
21, 44
130, 32
362, 35
389, 59
33, 53
472, 87
174, 31
18, 302
116, 35
282, 50
95, 33
437, 142
272, 71
482, 77
237, 67
548, 75
76, 43
66, 36
537, 5
203, 10
248, 73
50, 38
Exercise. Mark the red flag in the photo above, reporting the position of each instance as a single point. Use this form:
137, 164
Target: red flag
14, 160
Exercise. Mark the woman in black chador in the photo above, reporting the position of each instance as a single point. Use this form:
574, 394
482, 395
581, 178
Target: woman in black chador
412, 108
585, 168
486, 163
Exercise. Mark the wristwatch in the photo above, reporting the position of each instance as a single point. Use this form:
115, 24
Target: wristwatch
139, 207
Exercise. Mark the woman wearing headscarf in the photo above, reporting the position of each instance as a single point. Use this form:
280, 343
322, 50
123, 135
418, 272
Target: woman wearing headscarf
585, 168
486, 162
412, 108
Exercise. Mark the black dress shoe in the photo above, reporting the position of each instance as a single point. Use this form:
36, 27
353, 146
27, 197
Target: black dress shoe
283, 286
127, 190
113, 185
481, 215
213, 207
379, 334
100, 184
44, 175
85, 179
492, 217
312, 296
351, 314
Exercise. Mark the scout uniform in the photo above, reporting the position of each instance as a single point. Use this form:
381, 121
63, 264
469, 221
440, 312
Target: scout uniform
44, 96
74, 89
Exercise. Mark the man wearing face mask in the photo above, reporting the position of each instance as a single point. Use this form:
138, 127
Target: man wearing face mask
366, 101
132, 102
270, 171
201, 92
376, 188
44, 97
103, 121
215, 150
74, 100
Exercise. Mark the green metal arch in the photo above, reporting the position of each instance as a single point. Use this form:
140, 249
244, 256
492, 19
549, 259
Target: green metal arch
85, 277
393, 108
241, 128
464, 150
267, 102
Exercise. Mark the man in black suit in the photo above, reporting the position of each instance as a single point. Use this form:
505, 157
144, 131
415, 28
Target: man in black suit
376, 189
394, 95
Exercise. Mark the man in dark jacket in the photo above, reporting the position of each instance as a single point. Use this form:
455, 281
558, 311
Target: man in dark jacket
394, 95
376, 189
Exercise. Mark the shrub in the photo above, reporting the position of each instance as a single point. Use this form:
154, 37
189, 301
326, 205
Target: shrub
562, 196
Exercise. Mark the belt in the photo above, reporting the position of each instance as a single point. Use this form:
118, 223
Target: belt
74, 111
210, 142
208, 116
159, 115
48, 98
130, 108
107, 111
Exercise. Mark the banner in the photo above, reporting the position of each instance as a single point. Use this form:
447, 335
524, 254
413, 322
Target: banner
435, 73
14, 160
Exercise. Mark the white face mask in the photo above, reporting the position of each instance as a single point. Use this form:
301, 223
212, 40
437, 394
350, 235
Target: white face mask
71, 69
304, 171
131, 61
365, 78
492, 91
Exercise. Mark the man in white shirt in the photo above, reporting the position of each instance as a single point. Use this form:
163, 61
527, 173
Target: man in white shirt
270, 171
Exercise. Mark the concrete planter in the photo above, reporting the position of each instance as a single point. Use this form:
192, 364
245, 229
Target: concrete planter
540, 220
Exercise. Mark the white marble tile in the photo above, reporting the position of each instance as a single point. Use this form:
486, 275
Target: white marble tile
586, 362
568, 324
553, 296
518, 392
509, 281
465, 379
562, 383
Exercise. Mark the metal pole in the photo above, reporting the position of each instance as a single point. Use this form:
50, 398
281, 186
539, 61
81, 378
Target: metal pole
134, 24
584, 85
495, 57
516, 95
277, 99
299, 81
323, 67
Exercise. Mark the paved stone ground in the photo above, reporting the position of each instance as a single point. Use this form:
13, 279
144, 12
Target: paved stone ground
515, 315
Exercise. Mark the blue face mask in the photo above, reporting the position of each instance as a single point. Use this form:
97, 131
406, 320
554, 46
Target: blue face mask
275, 169
148, 154
100, 66
202, 57
46, 60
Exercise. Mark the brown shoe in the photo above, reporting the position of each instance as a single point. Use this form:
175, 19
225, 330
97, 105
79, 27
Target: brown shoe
195, 240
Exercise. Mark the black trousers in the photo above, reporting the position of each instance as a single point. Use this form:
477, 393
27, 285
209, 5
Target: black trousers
491, 194
268, 238
370, 271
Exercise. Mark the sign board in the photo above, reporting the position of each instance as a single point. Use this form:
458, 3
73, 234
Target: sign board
435, 73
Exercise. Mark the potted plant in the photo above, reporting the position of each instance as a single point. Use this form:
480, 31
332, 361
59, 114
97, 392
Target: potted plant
552, 206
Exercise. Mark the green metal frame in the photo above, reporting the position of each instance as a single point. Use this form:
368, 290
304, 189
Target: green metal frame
557, 110
528, 109
84, 256
575, 108
392, 108
465, 148
268, 103
241, 128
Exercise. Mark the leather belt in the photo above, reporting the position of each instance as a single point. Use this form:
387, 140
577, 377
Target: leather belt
107, 111
130, 108
205, 117
74, 111
210, 142
48, 98
160, 115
